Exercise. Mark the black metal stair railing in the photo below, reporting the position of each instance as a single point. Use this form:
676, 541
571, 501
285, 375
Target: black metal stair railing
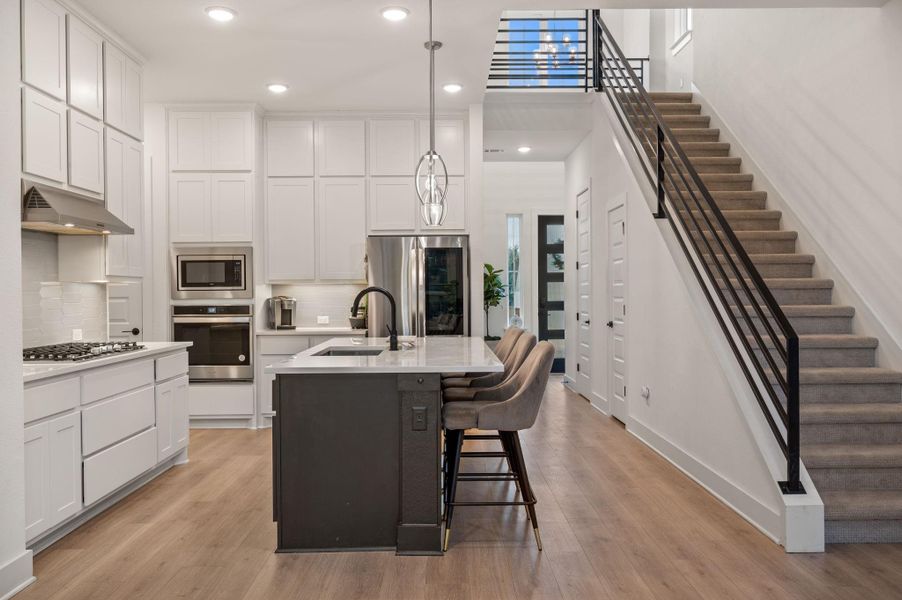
759, 333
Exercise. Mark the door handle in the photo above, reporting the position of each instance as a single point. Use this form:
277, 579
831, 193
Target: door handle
587, 321
133, 331
610, 324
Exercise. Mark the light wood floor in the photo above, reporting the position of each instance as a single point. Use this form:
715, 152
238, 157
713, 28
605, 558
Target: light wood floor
617, 522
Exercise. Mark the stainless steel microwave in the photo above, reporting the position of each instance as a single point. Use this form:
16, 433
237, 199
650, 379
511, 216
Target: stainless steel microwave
211, 273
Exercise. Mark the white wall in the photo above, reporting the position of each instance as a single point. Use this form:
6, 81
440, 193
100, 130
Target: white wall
15, 561
528, 189
816, 105
668, 71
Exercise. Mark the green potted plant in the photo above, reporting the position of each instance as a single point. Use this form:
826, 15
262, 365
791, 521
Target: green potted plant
493, 293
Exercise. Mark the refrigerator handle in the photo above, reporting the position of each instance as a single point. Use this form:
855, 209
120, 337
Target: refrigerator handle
420, 287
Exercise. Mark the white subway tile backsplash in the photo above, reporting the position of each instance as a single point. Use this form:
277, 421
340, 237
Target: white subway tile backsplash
51, 310
333, 301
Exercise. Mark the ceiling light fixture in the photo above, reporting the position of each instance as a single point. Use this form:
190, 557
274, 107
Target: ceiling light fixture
277, 88
220, 13
524, 149
452, 88
395, 13
432, 174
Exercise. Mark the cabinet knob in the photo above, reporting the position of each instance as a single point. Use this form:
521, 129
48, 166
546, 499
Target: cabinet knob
419, 380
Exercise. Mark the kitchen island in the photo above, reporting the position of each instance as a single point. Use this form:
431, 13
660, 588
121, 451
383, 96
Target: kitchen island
356, 442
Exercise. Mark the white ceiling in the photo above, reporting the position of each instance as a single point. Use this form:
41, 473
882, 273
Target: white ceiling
551, 123
334, 54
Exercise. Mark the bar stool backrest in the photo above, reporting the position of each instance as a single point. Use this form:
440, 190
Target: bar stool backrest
515, 403
508, 340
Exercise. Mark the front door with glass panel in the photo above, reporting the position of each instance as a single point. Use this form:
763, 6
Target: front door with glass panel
551, 285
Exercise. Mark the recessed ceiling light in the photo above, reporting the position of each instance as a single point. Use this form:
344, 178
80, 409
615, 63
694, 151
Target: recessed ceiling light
523, 149
277, 88
220, 13
452, 88
395, 13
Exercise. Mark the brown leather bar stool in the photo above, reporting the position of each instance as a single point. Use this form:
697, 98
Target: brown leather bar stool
525, 343
502, 350
508, 409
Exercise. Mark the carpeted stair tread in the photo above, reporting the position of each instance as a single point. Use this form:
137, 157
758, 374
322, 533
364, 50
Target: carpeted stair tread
842, 413
852, 456
670, 97
789, 283
849, 376
864, 505
820, 340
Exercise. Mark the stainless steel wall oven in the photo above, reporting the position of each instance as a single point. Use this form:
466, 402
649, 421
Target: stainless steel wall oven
223, 338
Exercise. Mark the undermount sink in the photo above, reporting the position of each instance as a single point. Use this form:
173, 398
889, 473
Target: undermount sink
343, 351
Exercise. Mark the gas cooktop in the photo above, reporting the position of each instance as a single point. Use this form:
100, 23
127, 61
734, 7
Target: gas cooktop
77, 351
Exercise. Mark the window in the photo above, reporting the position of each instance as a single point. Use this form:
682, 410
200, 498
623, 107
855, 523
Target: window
682, 28
514, 293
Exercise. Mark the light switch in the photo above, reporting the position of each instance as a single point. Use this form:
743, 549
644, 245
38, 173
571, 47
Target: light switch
322, 320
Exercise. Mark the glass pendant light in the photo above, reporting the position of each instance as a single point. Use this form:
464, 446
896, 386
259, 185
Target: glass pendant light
432, 175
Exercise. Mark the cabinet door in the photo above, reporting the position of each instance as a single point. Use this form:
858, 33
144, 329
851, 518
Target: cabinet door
122, 91
180, 413
449, 142
44, 147
190, 207
85, 152
85, 50
124, 192
232, 141
232, 214
341, 209
37, 480
392, 204
264, 385
133, 99
172, 417
44, 46
289, 148
64, 450
290, 230
189, 141
456, 198
392, 145
341, 148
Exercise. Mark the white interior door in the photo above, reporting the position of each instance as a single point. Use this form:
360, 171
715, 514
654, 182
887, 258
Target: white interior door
584, 293
617, 315
125, 314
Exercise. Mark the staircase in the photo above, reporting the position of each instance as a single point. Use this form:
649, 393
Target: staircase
851, 410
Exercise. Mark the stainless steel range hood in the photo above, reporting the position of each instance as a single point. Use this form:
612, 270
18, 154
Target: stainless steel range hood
60, 211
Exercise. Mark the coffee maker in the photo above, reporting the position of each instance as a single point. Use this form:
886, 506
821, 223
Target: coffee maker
281, 312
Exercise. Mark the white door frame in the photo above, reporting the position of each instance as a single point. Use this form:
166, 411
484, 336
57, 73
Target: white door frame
584, 390
612, 205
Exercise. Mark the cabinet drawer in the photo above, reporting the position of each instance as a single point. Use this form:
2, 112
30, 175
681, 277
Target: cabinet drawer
109, 470
107, 422
221, 400
51, 398
172, 366
110, 381
283, 345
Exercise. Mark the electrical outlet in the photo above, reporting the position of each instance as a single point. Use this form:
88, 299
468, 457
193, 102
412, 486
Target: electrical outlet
322, 320
76, 335
419, 418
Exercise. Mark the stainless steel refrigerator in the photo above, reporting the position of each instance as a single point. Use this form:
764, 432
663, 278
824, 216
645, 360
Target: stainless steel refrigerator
429, 276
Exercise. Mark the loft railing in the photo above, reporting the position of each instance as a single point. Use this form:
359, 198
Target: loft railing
547, 53
760, 336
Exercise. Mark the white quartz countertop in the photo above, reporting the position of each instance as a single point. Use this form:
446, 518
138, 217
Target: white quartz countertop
35, 371
313, 331
417, 355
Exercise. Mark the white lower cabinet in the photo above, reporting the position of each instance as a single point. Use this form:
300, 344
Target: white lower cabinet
172, 417
110, 469
53, 488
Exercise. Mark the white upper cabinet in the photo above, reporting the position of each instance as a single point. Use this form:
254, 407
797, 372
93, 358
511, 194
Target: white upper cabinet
290, 230
85, 51
44, 46
232, 141
122, 92
392, 147
392, 204
456, 199
44, 136
232, 212
341, 148
449, 142
123, 194
289, 148
341, 209
190, 206
189, 141
85, 152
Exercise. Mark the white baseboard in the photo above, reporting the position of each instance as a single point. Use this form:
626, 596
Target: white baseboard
222, 423
16, 575
760, 516
600, 403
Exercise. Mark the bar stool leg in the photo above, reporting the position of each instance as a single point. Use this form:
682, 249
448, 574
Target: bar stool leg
525, 488
455, 445
506, 444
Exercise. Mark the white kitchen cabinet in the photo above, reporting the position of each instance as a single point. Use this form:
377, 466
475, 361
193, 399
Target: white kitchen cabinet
341, 210
85, 152
44, 147
52, 473
44, 46
124, 189
189, 141
122, 92
341, 148
232, 141
392, 204
290, 230
110, 469
232, 207
456, 199
190, 206
450, 143
392, 147
85, 82
172, 417
289, 148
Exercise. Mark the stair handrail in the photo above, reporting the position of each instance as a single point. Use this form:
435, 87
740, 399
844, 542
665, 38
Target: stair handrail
628, 96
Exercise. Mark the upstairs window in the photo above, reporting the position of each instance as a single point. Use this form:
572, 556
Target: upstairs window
682, 28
